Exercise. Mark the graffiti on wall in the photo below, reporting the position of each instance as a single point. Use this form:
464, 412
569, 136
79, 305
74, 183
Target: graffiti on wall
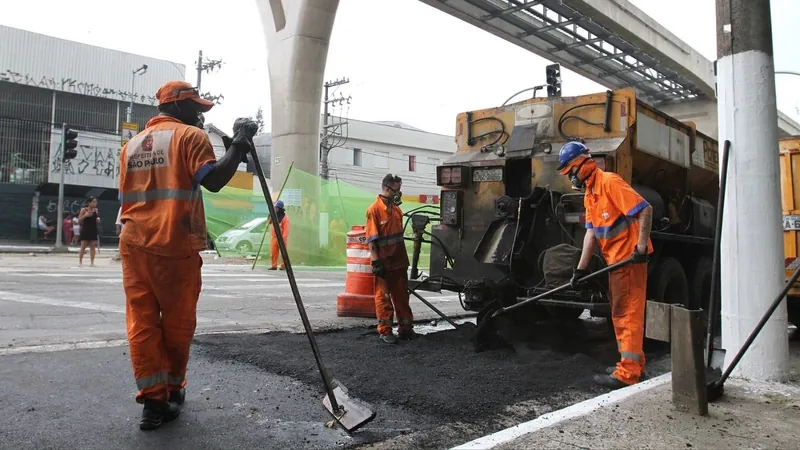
96, 163
75, 86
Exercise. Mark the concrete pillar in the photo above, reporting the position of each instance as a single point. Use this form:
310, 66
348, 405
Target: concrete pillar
298, 33
752, 272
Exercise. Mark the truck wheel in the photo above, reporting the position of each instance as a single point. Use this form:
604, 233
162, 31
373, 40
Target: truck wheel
560, 312
700, 286
793, 309
668, 283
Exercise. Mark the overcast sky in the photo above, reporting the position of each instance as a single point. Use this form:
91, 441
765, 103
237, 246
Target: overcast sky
406, 61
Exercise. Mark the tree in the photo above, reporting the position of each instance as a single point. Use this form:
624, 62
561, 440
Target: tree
259, 119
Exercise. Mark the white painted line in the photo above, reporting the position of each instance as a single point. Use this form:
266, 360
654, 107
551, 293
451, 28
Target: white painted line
552, 418
35, 299
62, 347
270, 286
101, 307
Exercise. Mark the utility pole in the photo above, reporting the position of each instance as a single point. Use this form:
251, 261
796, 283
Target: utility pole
68, 151
752, 268
325, 143
140, 71
207, 66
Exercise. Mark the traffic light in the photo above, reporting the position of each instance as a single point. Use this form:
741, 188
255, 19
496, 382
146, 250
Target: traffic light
70, 144
553, 72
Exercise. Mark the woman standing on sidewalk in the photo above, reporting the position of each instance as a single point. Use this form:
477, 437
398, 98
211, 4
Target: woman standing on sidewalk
88, 219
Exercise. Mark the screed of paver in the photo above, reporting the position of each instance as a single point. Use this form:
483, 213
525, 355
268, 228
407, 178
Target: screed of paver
461, 393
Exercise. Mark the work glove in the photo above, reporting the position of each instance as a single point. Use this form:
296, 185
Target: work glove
638, 258
227, 141
378, 269
243, 132
577, 274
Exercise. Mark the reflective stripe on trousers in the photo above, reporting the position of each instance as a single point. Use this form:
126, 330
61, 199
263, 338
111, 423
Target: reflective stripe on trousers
158, 378
160, 194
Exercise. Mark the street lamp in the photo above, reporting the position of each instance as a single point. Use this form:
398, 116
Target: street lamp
140, 71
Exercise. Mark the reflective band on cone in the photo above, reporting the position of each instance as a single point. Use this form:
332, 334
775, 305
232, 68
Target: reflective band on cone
358, 298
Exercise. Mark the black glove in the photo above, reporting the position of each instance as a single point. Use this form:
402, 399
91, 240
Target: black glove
243, 132
377, 269
638, 258
577, 274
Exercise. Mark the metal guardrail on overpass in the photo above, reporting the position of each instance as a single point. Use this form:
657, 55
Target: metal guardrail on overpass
611, 42
585, 36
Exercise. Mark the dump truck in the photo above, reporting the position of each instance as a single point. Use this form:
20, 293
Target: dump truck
790, 199
504, 206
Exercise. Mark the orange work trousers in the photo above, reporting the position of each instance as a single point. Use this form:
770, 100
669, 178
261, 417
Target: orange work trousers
275, 251
391, 296
161, 305
628, 286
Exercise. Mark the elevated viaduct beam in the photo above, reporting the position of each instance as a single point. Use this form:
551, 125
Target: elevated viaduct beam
610, 42
298, 34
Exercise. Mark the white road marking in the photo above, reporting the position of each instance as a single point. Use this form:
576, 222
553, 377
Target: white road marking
101, 307
552, 418
271, 286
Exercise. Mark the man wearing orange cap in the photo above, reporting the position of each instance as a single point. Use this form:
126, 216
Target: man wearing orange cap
161, 171
618, 219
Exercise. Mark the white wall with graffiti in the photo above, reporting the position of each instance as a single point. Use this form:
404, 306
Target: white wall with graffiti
76, 67
97, 163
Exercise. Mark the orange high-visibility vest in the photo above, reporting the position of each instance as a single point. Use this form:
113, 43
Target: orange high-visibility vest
161, 169
385, 228
611, 206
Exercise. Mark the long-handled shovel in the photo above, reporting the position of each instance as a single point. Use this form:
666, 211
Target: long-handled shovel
488, 320
350, 413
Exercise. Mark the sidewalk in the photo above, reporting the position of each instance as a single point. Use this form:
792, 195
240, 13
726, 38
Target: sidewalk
749, 415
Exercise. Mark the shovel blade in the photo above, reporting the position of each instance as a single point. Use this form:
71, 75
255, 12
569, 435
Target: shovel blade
353, 413
714, 389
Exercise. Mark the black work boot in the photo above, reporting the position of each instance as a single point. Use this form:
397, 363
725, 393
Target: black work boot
156, 412
611, 369
177, 396
389, 338
407, 335
609, 381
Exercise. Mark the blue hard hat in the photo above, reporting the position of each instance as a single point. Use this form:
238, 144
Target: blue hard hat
279, 204
570, 151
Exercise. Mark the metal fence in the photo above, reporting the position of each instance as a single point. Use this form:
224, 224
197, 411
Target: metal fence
24, 151
28, 115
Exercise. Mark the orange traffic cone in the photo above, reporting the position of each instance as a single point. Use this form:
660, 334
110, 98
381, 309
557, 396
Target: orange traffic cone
358, 298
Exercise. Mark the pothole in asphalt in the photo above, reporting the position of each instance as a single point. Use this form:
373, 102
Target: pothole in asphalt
438, 380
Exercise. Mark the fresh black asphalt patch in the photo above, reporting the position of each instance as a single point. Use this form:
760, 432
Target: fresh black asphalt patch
438, 380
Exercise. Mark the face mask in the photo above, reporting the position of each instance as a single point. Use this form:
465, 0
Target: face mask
577, 183
396, 197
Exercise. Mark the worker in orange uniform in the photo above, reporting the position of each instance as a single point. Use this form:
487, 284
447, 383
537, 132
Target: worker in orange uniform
389, 262
619, 220
283, 223
164, 230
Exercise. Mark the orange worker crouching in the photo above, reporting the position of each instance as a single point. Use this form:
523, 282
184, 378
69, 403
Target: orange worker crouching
283, 224
619, 220
389, 262
161, 171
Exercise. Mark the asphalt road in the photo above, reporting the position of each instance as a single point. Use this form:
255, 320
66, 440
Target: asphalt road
49, 300
66, 380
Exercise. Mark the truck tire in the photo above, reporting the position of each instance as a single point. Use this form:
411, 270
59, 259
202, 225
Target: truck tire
793, 309
668, 283
700, 284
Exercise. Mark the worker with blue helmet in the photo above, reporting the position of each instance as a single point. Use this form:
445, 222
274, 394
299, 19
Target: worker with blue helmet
618, 220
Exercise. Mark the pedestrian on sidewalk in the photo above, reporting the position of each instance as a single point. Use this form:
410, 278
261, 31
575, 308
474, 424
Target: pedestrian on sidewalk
118, 225
45, 226
67, 228
89, 219
283, 223
618, 219
76, 230
389, 261
163, 233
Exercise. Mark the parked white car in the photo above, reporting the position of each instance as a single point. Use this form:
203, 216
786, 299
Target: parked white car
245, 238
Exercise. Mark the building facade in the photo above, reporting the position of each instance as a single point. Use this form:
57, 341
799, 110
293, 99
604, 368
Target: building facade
373, 149
46, 82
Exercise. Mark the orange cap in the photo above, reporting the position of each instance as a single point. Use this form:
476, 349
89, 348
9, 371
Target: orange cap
173, 91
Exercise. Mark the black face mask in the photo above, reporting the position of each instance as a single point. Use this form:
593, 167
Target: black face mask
188, 115
577, 183
396, 197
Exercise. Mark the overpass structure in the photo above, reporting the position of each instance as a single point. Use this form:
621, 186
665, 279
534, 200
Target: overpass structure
611, 42
608, 41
